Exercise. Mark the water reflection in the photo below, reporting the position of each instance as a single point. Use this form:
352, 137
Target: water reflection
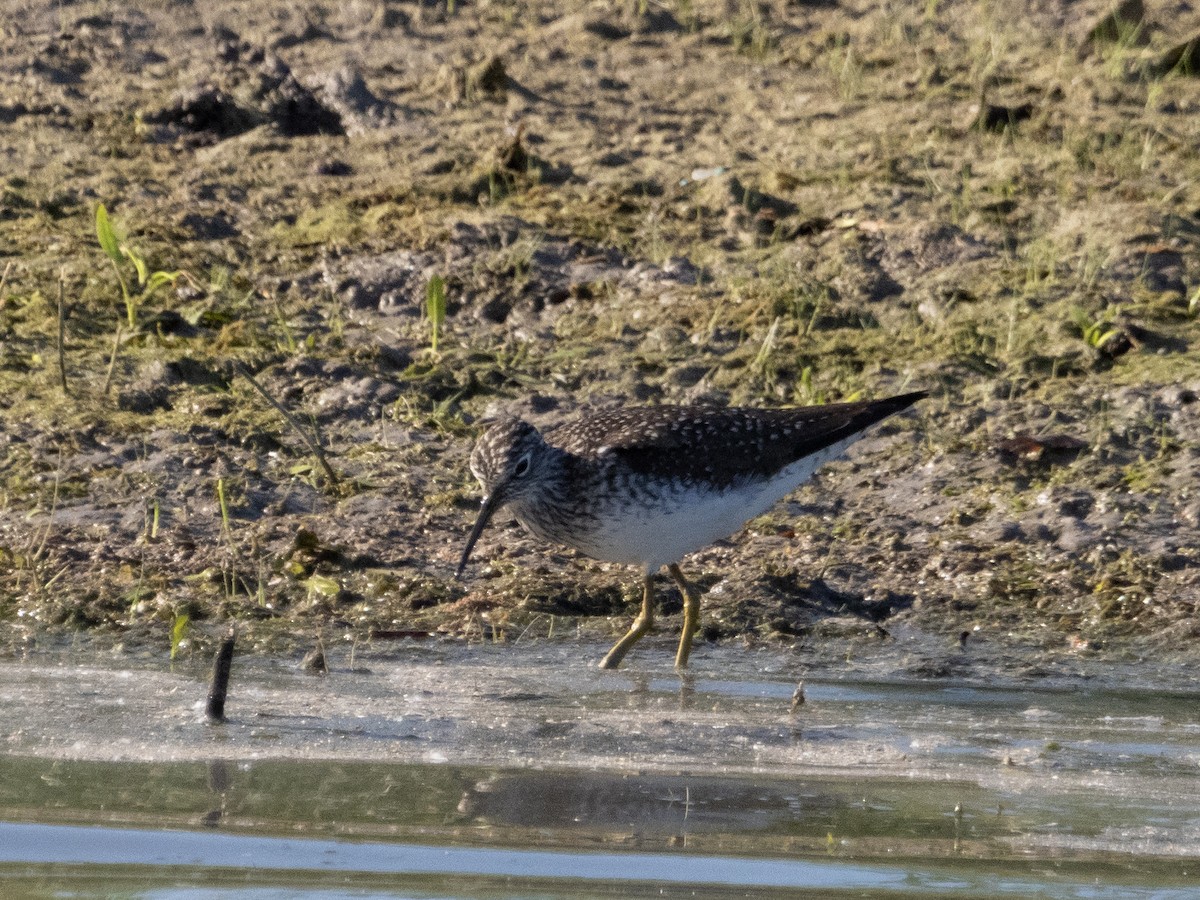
764, 815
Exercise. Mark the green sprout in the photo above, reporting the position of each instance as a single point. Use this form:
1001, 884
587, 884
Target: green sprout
224, 506
435, 306
1095, 333
147, 282
807, 390
178, 631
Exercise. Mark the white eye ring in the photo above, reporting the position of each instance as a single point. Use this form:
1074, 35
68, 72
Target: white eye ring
522, 466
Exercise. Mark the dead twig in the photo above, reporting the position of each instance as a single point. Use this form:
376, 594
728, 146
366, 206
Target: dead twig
62, 316
4, 284
312, 445
214, 709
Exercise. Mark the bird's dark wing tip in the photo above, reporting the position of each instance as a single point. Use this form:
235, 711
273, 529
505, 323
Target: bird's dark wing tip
903, 401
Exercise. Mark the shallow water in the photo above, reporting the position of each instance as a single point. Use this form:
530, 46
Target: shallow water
498, 771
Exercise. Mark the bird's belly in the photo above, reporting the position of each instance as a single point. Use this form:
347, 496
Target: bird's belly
656, 531
682, 524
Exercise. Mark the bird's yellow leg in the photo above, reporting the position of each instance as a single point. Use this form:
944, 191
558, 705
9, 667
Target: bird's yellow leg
691, 615
640, 626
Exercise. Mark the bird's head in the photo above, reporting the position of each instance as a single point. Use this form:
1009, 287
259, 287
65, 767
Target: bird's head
507, 460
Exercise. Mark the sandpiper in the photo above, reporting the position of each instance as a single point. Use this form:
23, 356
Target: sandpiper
648, 485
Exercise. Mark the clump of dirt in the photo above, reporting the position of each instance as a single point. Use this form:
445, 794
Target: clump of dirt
253, 88
767, 203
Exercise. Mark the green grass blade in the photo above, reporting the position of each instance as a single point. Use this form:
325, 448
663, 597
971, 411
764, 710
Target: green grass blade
435, 306
107, 237
178, 630
157, 280
138, 263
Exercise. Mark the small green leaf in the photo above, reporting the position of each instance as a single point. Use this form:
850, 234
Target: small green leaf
194, 313
107, 237
320, 584
435, 306
435, 298
210, 575
138, 263
157, 280
178, 630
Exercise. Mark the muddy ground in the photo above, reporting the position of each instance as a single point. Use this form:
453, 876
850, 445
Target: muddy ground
747, 203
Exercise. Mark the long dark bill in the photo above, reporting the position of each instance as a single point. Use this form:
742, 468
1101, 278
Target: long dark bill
486, 509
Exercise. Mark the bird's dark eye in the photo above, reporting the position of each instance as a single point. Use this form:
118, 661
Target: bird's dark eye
521, 467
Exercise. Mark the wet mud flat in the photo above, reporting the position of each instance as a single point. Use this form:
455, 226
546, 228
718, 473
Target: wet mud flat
1073, 779
773, 204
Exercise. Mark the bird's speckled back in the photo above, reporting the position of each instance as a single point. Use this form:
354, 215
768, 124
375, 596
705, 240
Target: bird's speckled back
718, 446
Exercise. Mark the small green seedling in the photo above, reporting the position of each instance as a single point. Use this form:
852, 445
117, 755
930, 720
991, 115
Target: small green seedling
152, 526
147, 282
178, 632
435, 306
223, 504
1095, 333
807, 390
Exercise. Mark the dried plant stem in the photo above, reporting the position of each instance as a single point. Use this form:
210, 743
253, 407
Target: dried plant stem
312, 445
4, 284
112, 361
62, 316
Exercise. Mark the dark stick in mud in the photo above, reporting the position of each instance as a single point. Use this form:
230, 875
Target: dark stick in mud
222, 664
312, 445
